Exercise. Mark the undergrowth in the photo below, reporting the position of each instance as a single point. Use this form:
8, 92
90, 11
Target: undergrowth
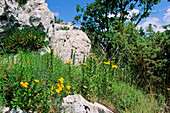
38, 83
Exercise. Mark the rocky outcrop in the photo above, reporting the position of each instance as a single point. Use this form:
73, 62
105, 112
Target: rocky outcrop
77, 104
36, 14
64, 41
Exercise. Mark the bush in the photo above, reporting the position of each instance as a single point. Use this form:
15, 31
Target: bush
146, 54
24, 39
21, 2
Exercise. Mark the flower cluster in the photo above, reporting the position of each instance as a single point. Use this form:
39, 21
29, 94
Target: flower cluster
107, 63
61, 86
24, 84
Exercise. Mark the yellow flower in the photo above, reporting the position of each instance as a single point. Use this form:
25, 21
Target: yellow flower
84, 64
95, 58
72, 48
107, 63
34, 36
68, 87
68, 62
52, 49
114, 58
21, 83
60, 85
66, 92
26, 83
91, 53
60, 88
61, 80
57, 90
36, 81
114, 66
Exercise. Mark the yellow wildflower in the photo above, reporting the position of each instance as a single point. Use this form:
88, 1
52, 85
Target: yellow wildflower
52, 48
68, 62
91, 53
60, 85
107, 63
68, 87
61, 80
95, 58
26, 83
57, 90
66, 92
114, 66
60, 88
114, 58
36, 81
84, 64
21, 83
34, 36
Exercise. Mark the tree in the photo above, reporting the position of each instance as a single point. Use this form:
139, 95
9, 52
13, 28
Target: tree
96, 23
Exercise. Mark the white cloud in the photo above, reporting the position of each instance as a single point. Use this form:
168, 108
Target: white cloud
56, 14
167, 16
134, 11
113, 15
153, 21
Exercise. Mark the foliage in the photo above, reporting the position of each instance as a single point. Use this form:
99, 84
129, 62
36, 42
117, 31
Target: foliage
95, 20
24, 39
21, 2
27, 83
98, 81
58, 21
64, 28
147, 56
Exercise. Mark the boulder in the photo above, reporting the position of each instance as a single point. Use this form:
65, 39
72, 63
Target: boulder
77, 104
64, 41
36, 14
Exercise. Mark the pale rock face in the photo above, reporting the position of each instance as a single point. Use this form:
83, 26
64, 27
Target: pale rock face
36, 14
77, 104
77, 40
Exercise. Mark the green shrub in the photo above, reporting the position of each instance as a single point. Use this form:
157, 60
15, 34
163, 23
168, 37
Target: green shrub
146, 54
21, 2
24, 39
64, 28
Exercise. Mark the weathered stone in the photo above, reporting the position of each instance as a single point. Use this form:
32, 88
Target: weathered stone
77, 104
64, 41
36, 14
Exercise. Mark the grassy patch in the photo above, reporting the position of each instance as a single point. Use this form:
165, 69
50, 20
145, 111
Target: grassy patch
46, 80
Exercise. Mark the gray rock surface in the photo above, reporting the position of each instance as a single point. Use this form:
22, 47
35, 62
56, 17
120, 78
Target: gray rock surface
77, 104
64, 41
36, 14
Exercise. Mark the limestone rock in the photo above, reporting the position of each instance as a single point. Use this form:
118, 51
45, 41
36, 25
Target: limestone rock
77, 104
64, 41
36, 14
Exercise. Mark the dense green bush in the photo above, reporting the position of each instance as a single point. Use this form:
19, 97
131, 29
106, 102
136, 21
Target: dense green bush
146, 54
26, 38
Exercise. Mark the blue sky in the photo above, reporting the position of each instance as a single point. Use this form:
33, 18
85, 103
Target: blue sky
65, 9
